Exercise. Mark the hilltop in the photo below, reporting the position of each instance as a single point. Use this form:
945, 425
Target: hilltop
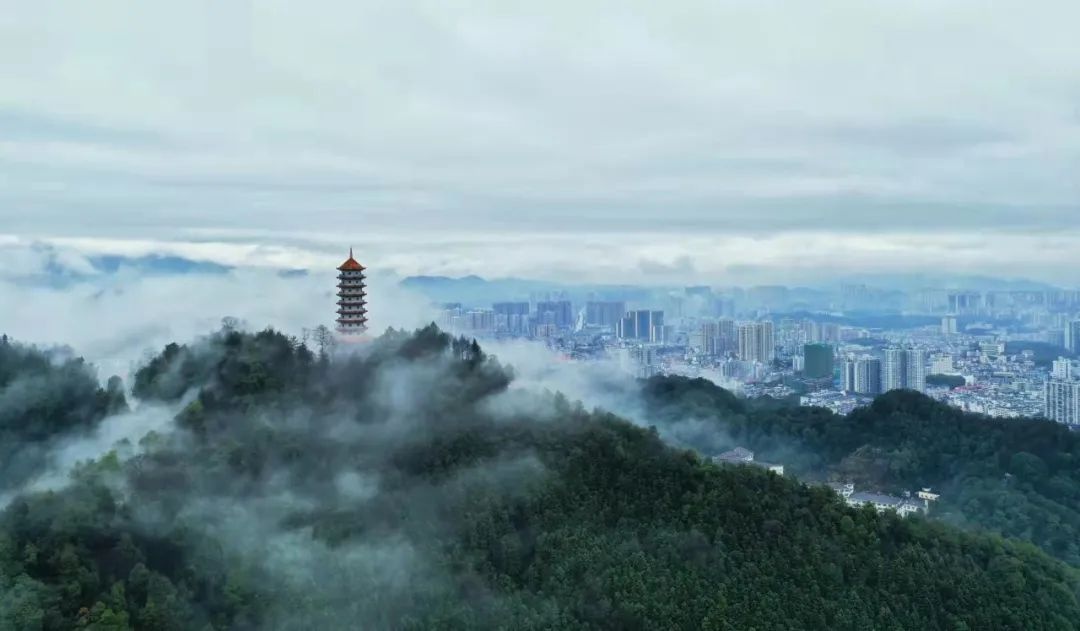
407, 486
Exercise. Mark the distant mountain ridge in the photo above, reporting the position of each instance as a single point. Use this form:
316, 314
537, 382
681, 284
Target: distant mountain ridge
157, 264
57, 273
475, 289
968, 282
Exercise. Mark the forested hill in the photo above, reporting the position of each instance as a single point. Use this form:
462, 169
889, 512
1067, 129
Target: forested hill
406, 486
1018, 477
45, 396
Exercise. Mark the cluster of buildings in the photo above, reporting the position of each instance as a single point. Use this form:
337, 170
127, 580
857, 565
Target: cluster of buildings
909, 504
981, 351
1001, 353
904, 506
976, 376
962, 359
743, 456
512, 319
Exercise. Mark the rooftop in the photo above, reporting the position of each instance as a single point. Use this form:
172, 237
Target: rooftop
351, 264
739, 454
876, 498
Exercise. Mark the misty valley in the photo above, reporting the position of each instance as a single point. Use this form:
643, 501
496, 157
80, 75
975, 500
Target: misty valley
246, 481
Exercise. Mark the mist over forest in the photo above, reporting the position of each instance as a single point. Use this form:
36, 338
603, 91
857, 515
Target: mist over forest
243, 480
662, 316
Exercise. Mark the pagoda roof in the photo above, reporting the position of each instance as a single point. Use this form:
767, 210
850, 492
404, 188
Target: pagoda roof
350, 264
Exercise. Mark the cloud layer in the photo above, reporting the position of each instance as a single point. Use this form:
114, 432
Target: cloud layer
114, 319
920, 119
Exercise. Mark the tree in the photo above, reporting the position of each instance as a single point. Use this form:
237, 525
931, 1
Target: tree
949, 381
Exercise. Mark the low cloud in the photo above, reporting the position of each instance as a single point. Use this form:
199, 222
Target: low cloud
813, 258
482, 120
119, 433
114, 319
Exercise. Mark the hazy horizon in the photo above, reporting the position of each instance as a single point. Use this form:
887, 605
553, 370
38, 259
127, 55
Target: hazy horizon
723, 143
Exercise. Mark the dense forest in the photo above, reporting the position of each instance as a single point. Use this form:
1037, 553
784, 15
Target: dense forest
951, 382
1016, 477
406, 485
45, 396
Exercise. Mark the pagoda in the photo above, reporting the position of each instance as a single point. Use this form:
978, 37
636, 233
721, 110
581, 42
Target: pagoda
352, 298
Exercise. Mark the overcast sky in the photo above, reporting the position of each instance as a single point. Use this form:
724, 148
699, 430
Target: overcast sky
666, 138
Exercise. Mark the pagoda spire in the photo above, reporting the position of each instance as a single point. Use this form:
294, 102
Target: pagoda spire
352, 297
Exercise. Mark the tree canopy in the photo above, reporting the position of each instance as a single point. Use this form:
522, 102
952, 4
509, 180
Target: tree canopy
406, 485
45, 396
1016, 477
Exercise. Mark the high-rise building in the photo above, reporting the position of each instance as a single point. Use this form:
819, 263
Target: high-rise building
558, 313
768, 342
862, 376
819, 361
645, 324
904, 369
868, 376
640, 360
512, 317
642, 325
479, 320
894, 369
1063, 401
704, 340
916, 370
747, 342
604, 313
821, 331
645, 361
756, 342
728, 341
1062, 369
1072, 336
511, 308
716, 337
942, 364
657, 330
965, 302
352, 298
949, 326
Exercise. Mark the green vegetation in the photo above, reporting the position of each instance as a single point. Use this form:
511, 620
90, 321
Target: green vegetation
45, 396
1018, 478
951, 382
407, 486
1043, 354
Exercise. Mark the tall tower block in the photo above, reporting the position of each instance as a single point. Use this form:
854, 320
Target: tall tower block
352, 298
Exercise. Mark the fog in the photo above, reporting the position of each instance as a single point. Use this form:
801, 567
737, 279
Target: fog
115, 319
120, 433
317, 502
283, 524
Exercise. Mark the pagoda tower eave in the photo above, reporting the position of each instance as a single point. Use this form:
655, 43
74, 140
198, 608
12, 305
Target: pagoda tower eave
351, 298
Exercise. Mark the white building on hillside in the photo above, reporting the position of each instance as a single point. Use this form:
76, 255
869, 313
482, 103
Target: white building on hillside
741, 455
